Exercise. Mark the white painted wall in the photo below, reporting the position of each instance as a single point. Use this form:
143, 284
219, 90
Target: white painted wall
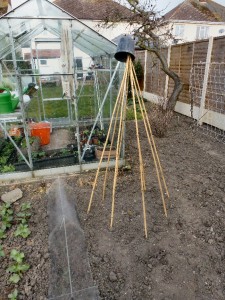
190, 29
112, 32
54, 65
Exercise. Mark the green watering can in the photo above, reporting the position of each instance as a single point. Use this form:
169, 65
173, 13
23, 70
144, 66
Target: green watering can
8, 102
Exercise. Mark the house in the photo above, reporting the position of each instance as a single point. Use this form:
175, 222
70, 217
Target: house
45, 48
93, 14
196, 20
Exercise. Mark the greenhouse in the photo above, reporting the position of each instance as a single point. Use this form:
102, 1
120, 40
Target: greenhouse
58, 85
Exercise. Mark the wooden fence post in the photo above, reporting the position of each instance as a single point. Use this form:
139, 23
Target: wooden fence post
145, 71
167, 77
205, 82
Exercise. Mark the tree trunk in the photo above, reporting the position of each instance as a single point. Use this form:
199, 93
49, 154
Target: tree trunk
178, 85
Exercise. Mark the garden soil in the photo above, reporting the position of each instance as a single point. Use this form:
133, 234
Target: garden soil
183, 256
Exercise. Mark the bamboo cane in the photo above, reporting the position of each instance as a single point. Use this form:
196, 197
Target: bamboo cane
153, 140
107, 138
118, 149
132, 72
139, 149
150, 138
112, 141
120, 109
109, 155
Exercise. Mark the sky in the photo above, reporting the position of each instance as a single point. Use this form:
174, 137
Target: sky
161, 4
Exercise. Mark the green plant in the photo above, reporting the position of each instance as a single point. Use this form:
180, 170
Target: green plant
139, 69
24, 143
17, 256
130, 114
25, 206
7, 168
86, 132
2, 253
7, 221
36, 155
2, 233
3, 160
18, 268
24, 213
22, 230
5, 209
15, 278
6, 213
22, 217
41, 153
64, 151
8, 148
13, 295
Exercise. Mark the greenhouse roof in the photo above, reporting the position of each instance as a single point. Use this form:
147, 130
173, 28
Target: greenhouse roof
36, 16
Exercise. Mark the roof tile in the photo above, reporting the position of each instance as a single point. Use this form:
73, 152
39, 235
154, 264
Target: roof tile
195, 10
92, 9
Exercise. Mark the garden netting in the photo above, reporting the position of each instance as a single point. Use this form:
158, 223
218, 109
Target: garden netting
70, 274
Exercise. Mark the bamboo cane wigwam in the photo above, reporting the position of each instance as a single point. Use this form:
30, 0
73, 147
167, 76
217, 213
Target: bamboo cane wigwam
119, 115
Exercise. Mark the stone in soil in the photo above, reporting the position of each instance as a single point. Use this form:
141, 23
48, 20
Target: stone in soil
112, 276
12, 196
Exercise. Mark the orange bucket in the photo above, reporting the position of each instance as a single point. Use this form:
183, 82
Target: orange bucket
42, 130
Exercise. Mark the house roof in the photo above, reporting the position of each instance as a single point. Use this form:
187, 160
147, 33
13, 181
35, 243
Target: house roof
197, 10
43, 54
93, 9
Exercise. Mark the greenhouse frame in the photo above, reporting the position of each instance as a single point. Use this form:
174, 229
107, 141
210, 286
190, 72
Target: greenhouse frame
58, 85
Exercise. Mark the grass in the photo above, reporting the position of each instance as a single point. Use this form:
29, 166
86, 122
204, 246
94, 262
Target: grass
58, 108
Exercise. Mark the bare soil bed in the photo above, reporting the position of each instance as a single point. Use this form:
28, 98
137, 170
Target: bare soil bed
183, 256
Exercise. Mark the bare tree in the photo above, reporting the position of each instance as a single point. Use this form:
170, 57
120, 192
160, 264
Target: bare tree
152, 35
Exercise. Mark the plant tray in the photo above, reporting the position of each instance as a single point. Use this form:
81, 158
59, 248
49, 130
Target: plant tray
46, 163
98, 152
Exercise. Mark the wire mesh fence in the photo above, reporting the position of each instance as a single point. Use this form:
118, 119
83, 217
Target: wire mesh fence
212, 114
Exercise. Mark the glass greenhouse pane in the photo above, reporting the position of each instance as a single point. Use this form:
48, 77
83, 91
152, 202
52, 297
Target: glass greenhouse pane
4, 37
90, 41
38, 8
25, 27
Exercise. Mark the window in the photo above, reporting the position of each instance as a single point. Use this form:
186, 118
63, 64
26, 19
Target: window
79, 63
202, 32
79, 66
43, 61
179, 31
